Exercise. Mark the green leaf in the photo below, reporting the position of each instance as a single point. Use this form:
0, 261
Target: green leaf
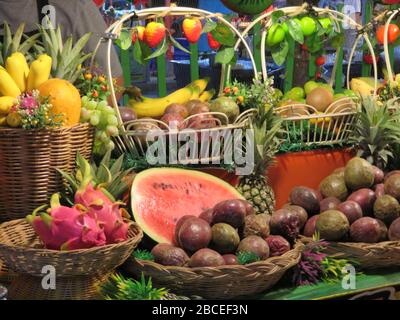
160, 51
125, 40
209, 26
138, 53
224, 35
277, 15
178, 45
280, 52
225, 55
338, 41
295, 31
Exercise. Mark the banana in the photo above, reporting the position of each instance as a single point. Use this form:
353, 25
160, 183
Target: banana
364, 86
39, 72
206, 96
196, 93
201, 83
5, 104
8, 87
155, 108
18, 69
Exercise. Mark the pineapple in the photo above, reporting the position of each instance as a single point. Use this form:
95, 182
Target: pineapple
67, 57
377, 132
114, 181
17, 43
255, 188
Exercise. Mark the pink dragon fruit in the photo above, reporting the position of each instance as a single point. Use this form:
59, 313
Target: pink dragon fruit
64, 228
102, 208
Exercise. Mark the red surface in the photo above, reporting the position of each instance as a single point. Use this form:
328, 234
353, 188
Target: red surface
304, 169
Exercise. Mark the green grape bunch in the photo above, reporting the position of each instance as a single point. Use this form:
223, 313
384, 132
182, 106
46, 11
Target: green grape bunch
104, 118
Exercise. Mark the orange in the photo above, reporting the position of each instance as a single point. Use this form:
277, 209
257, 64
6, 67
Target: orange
65, 100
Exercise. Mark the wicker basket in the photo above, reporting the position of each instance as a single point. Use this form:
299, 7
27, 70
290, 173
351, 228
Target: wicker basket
224, 282
78, 273
366, 255
28, 160
6, 275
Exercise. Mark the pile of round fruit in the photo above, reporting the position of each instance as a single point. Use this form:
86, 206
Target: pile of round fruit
357, 203
228, 234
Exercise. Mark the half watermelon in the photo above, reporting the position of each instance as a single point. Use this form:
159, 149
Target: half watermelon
161, 196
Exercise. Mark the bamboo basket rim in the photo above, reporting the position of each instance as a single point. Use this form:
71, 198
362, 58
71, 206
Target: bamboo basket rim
45, 130
296, 249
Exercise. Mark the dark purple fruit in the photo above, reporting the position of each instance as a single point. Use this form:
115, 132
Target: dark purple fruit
277, 245
174, 121
387, 209
379, 175
351, 210
177, 109
285, 223
225, 238
127, 114
366, 199
332, 225
310, 227
306, 198
206, 258
231, 212
178, 226
230, 259
207, 215
394, 230
330, 203
194, 234
379, 190
256, 245
384, 231
367, 230
392, 186
300, 212
391, 173
168, 255
249, 208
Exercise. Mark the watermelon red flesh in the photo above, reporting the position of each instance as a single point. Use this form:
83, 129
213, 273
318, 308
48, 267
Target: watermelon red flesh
161, 196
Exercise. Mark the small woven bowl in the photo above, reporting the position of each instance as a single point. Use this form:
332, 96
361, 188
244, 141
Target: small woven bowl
22, 251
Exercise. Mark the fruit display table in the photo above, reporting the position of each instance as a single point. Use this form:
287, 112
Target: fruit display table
380, 285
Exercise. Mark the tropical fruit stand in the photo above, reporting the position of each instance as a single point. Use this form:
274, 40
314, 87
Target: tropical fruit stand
239, 191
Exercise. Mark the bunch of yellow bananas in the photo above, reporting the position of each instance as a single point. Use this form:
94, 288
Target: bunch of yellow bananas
16, 78
155, 107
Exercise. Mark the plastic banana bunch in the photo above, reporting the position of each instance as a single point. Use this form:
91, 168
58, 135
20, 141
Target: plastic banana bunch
17, 77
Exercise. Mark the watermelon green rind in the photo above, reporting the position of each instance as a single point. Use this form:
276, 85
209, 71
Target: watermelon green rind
160, 196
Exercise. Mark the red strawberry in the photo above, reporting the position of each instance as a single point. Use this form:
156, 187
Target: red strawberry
192, 29
138, 33
154, 34
214, 44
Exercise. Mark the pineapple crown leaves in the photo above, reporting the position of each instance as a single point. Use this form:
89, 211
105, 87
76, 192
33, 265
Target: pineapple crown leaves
377, 132
66, 57
109, 176
247, 257
120, 288
143, 255
17, 42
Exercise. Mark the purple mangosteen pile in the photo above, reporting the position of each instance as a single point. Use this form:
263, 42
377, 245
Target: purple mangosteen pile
357, 203
220, 236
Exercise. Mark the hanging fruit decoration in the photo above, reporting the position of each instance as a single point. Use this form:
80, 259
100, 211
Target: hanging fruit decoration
393, 33
99, 3
249, 7
192, 29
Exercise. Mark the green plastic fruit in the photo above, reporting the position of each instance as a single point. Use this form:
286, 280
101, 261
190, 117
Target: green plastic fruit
227, 106
310, 86
296, 93
308, 26
248, 7
327, 87
326, 24
275, 36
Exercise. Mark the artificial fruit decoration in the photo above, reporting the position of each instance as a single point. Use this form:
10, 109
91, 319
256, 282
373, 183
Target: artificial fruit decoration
393, 34
192, 29
213, 44
154, 34
138, 33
